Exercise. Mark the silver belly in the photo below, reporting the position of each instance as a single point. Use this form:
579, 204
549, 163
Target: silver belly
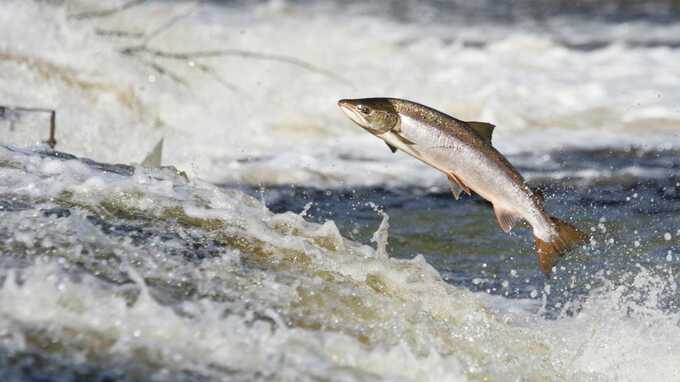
482, 175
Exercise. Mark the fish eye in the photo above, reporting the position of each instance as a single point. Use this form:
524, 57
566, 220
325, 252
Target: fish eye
363, 109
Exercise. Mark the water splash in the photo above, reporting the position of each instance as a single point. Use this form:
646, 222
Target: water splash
381, 235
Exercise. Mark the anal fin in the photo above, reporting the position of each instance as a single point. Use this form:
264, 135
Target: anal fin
456, 185
506, 218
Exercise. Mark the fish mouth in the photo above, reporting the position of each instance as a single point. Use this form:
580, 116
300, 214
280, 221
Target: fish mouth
350, 110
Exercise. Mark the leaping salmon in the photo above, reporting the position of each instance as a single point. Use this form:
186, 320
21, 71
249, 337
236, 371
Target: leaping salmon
463, 152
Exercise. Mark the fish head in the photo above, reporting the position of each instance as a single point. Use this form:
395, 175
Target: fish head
376, 115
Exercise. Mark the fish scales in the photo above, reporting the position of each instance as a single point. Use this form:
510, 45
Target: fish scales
463, 151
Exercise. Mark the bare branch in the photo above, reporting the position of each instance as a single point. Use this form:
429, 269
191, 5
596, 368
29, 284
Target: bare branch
165, 72
211, 72
236, 53
117, 33
155, 33
143, 49
106, 12
171, 22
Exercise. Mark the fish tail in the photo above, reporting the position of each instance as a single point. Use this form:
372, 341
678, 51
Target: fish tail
549, 252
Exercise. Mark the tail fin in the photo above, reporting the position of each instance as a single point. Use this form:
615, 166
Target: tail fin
549, 252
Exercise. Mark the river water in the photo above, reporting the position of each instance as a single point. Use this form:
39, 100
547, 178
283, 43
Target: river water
281, 242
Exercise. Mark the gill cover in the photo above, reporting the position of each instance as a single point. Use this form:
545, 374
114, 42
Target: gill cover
377, 115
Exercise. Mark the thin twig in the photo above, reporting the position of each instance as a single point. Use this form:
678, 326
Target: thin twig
165, 72
236, 53
158, 31
211, 72
117, 33
143, 48
170, 23
106, 12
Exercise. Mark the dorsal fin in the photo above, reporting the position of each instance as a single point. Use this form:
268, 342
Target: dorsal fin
483, 129
154, 158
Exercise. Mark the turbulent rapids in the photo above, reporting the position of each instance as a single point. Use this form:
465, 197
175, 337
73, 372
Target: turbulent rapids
110, 270
109, 266
284, 245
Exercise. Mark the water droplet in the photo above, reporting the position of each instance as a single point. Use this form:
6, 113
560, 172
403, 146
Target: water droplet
667, 236
636, 243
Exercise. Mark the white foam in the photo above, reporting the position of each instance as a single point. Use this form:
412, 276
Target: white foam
285, 298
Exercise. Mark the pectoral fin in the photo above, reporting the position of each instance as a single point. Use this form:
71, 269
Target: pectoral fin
457, 187
392, 148
506, 218
483, 129
395, 141
404, 139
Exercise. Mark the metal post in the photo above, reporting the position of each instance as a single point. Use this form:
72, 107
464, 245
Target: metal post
51, 141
